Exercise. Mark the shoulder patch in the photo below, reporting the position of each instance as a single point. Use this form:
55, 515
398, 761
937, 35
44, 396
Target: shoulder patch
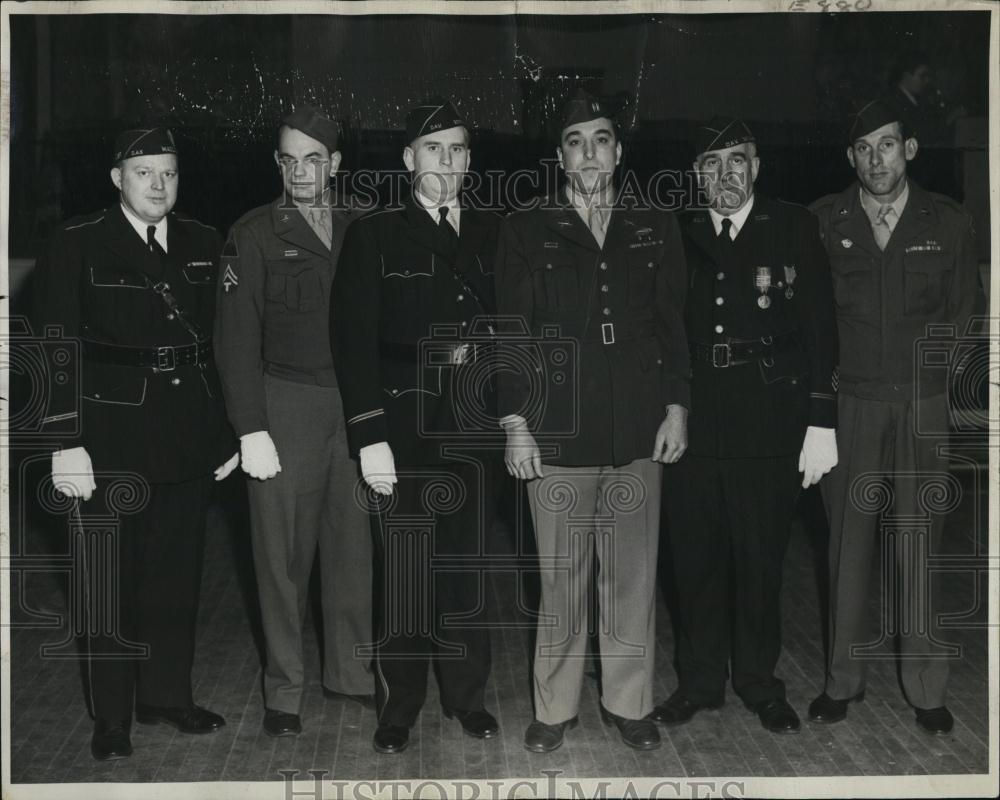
192, 220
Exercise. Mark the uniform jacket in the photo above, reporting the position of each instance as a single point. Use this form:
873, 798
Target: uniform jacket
760, 408
95, 281
399, 286
602, 350
885, 300
273, 314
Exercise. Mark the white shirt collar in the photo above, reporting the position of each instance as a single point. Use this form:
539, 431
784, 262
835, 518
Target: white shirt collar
454, 210
739, 219
140, 227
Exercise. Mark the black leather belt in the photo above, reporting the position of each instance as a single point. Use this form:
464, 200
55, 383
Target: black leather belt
161, 359
734, 352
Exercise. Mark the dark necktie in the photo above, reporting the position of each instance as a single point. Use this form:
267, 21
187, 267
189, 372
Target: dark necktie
154, 246
450, 234
725, 236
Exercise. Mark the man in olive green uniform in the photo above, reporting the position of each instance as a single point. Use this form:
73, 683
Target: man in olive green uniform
272, 340
902, 260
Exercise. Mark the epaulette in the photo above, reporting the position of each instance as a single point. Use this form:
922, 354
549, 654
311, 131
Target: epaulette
83, 220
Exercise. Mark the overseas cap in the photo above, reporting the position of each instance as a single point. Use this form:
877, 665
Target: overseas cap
583, 107
312, 123
870, 117
721, 132
144, 142
433, 115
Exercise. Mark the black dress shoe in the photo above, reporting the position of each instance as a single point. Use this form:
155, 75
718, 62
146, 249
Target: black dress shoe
826, 710
366, 700
481, 724
678, 709
639, 734
936, 721
777, 716
187, 719
110, 740
390, 738
281, 723
543, 738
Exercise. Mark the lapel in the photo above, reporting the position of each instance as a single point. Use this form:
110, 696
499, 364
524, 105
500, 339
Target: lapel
701, 231
473, 233
291, 226
423, 231
918, 215
850, 223
563, 220
133, 251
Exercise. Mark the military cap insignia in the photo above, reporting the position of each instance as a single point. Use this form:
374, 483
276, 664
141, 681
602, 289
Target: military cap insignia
229, 279
846, 243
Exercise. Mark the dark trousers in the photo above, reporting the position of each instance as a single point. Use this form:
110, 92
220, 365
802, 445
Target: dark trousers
430, 594
729, 522
140, 599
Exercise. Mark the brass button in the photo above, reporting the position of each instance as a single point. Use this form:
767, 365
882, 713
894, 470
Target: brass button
175, 381
406, 272
604, 287
604, 265
460, 298
720, 276
170, 316
97, 396
719, 301
719, 329
464, 323
606, 312
651, 265
548, 266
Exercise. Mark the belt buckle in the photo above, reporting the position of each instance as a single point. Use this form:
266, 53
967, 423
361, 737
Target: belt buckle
166, 359
725, 350
608, 332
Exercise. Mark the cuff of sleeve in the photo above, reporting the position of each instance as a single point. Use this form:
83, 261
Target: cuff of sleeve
677, 391
364, 430
823, 411
249, 423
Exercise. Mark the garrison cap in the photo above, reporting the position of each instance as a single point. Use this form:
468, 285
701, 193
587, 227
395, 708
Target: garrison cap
144, 142
433, 115
312, 123
870, 117
721, 132
583, 107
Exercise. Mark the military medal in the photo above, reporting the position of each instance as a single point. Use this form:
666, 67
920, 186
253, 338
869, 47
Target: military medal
790, 278
762, 280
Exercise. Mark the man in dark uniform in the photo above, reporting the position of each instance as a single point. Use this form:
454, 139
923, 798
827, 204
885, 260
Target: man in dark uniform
409, 275
902, 259
135, 285
599, 288
273, 344
759, 318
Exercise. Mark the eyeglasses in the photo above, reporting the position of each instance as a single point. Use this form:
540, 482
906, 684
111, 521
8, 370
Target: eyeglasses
311, 162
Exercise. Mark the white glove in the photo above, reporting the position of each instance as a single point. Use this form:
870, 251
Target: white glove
378, 467
259, 457
72, 473
224, 471
819, 454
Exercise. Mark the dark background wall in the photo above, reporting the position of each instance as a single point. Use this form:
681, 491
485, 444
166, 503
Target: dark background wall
222, 81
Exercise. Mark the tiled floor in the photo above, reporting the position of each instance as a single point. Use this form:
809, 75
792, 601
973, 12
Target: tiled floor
51, 729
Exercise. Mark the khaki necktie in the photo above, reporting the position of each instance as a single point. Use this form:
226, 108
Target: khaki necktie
322, 225
597, 221
881, 227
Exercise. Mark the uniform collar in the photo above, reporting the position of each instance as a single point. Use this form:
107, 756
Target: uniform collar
140, 227
871, 205
739, 219
453, 205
